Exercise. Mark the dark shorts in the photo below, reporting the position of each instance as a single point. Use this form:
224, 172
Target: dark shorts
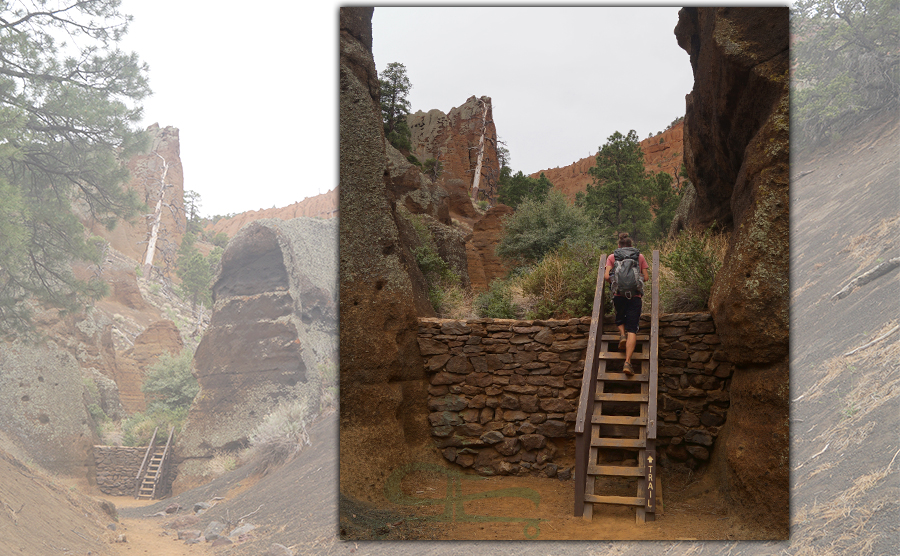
628, 312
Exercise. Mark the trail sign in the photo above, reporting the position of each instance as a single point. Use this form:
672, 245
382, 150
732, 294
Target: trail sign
651, 476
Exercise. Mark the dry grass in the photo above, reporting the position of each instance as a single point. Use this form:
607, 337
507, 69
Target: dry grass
862, 386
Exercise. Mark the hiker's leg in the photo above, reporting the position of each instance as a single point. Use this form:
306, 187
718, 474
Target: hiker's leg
630, 343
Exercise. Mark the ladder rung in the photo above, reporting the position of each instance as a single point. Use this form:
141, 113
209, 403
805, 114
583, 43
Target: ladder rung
623, 376
621, 500
617, 470
605, 397
618, 443
618, 420
615, 337
621, 355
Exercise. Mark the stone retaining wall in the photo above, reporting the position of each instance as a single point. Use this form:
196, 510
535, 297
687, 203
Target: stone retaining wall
117, 468
504, 393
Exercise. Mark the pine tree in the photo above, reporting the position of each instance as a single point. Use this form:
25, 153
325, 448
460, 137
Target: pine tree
67, 113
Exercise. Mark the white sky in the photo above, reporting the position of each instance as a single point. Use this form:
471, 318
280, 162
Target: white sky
252, 87
561, 80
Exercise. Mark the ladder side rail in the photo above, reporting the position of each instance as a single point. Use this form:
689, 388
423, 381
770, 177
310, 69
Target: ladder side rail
654, 347
137, 486
588, 385
163, 464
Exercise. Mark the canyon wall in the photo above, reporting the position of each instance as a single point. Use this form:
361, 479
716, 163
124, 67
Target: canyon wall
273, 325
382, 379
736, 143
323, 205
664, 152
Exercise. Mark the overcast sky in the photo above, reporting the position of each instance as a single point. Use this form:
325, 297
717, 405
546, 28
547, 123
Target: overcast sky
561, 80
252, 86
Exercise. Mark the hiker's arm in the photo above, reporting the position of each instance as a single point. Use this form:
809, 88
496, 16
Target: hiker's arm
606, 275
646, 274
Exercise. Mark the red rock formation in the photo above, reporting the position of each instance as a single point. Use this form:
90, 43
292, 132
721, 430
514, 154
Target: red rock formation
663, 152
454, 139
484, 264
146, 174
319, 206
737, 155
159, 338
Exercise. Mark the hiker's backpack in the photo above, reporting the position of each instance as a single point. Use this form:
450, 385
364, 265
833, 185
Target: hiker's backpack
625, 278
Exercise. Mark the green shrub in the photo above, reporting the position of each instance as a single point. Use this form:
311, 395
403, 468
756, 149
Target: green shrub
689, 263
137, 429
563, 283
169, 383
497, 302
413, 160
538, 227
220, 240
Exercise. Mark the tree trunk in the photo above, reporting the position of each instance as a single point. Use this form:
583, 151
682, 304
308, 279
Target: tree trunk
480, 151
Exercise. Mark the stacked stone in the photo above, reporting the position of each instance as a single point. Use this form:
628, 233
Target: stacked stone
694, 380
503, 392
117, 468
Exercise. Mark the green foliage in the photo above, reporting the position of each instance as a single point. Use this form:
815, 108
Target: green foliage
519, 187
433, 167
690, 262
399, 136
537, 227
67, 118
442, 283
564, 281
851, 64
617, 198
97, 414
395, 87
137, 429
413, 160
192, 205
194, 271
665, 200
169, 383
497, 302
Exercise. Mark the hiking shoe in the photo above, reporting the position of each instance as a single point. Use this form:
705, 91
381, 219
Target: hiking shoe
627, 369
622, 341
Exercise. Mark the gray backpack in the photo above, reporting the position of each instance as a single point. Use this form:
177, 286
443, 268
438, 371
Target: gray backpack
625, 277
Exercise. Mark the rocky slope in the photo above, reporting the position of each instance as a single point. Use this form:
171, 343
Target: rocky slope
736, 154
323, 205
664, 152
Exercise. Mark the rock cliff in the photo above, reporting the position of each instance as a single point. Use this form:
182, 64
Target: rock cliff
455, 139
129, 238
273, 325
664, 152
323, 205
737, 155
382, 379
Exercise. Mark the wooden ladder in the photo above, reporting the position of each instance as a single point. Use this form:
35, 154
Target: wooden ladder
153, 468
616, 416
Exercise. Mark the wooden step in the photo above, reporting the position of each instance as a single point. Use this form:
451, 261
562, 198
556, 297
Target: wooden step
618, 420
615, 470
621, 500
620, 355
615, 338
639, 398
618, 443
623, 377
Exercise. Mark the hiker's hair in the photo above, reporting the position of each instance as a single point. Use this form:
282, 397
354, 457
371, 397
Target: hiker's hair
624, 240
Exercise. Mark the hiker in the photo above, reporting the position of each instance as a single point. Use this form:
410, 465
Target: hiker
626, 283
